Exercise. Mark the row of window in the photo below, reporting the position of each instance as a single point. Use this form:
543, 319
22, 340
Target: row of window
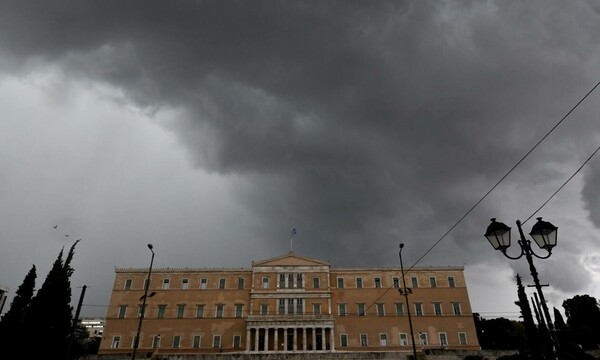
177, 341
404, 340
295, 281
343, 340
377, 281
185, 283
419, 310
297, 306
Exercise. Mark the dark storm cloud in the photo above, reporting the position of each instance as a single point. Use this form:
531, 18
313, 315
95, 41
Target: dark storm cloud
360, 123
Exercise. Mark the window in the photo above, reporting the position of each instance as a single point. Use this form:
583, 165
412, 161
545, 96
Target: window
377, 282
221, 283
239, 310
299, 306
219, 310
203, 283
382, 339
240, 283
264, 309
128, 284
340, 283
265, 282
290, 306
185, 283
380, 310
176, 341
423, 338
396, 282
299, 281
432, 281
237, 341
403, 339
359, 283
316, 282
363, 340
141, 310
342, 309
166, 283
462, 338
161, 311
180, 310
281, 309
399, 309
456, 308
343, 340
361, 309
451, 281
317, 309
146, 284
122, 311
414, 281
437, 309
156, 341
290, 281
200, 311
196, 341
443, 339
216, 341
282, 281
419, 309
116, 342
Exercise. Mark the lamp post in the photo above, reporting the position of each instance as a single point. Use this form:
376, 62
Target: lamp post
136, 341
545, 236
404, 291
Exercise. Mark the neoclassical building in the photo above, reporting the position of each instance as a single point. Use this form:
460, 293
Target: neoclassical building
289, 303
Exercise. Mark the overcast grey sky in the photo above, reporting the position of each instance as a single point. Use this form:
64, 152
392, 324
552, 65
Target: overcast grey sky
211, 128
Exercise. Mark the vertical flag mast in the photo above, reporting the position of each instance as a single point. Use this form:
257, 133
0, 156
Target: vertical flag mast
292, 233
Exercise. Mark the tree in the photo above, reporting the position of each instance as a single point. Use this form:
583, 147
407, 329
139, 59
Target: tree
533, 336
500, 333
583, 320
11, 325
49, 316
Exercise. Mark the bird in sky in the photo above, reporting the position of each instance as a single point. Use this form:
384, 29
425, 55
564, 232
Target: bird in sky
55, 226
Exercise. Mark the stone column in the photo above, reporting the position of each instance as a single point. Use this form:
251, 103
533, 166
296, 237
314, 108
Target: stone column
304, 338
285, 346
276, 340
332, 339
248, 336
323, 343
256, 336
295, 341
267, 339
314, 338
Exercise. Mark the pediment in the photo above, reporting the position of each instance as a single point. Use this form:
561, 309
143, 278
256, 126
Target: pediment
290, 259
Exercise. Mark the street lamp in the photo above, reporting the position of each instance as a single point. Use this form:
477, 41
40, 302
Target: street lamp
136, 341
404, 291
545, 236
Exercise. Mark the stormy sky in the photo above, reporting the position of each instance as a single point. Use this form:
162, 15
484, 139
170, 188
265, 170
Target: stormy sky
211, 128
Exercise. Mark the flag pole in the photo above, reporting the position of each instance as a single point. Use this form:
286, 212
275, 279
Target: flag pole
292, 233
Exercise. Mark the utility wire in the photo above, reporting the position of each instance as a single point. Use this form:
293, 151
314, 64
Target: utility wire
505, 176
563, 185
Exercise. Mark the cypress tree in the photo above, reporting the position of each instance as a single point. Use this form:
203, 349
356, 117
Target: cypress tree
11, 324
49, 316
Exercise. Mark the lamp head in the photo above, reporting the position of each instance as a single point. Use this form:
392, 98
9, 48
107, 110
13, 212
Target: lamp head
150, 246
401, 245
544, 234
498, 234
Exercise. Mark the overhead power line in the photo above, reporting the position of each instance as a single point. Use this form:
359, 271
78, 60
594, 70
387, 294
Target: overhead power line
509, 172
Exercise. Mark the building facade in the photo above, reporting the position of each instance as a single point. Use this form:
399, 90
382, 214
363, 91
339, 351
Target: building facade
288, 303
